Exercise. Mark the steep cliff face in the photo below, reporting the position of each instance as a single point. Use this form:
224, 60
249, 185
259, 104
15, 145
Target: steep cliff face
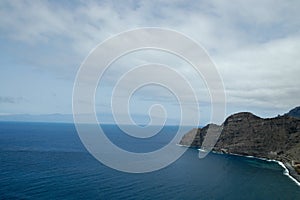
246, 134
274, 138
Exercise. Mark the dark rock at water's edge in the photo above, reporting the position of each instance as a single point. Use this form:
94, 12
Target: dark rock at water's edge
243, 133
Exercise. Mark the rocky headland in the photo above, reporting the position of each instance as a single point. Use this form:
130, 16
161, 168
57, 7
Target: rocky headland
245, 134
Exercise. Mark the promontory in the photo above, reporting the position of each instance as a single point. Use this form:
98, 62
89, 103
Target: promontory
246, 134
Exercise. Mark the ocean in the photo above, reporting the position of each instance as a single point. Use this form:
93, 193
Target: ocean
48, 161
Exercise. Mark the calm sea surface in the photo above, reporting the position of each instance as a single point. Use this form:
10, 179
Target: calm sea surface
48, 161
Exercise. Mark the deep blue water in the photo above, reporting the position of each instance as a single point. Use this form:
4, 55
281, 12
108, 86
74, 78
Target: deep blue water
48, 161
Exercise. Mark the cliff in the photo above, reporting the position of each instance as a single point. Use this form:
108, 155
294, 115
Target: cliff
294, 112
246, 134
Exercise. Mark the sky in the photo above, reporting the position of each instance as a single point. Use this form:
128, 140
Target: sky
255, 46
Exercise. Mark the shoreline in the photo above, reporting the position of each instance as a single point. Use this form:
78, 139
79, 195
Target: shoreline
289, 171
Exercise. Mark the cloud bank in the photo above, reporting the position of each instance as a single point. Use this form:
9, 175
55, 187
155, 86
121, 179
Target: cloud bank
255, 45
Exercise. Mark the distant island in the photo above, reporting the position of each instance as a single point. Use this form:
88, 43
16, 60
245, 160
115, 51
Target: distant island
245, 134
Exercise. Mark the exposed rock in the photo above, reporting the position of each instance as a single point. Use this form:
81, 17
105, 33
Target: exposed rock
246, 134
294, 112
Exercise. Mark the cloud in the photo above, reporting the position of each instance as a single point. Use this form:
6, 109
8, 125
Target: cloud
87, 23
255, 44
265, 74
10, 100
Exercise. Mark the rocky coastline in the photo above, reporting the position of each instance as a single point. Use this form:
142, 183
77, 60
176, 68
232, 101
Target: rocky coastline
276, 139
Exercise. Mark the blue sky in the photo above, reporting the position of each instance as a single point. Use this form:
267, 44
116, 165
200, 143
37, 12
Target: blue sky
254, 44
